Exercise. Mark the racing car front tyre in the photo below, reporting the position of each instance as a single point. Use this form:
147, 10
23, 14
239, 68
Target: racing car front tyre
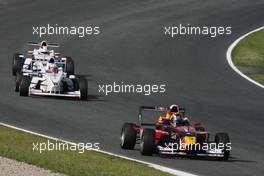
83, 85
18, 81
24, 86
128, 136
147, 143
17, 64
224, 139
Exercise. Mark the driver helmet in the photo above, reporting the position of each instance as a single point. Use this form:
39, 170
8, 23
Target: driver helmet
43, 47
174, 108
173, 111
51, 66
51, 61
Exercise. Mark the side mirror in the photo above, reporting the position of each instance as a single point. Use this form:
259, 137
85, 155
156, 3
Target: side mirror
196, 124
72, 77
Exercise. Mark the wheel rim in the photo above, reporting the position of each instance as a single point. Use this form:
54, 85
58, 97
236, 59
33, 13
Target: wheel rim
122, 138
141, 144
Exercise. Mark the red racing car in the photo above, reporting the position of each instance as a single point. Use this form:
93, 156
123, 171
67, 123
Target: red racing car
183, 139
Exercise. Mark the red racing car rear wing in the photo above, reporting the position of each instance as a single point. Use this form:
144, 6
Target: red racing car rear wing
155, 109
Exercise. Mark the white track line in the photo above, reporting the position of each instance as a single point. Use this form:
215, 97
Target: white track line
156, 166
229, 57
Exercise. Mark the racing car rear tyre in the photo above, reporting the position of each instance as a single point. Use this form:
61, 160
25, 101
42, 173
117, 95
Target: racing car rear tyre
128, 136
69, 66
24, 86
147, 143
18, 81
83, 85
223, 138
17, 64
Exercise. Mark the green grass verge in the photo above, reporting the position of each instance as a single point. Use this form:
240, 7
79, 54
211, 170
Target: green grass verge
18, 145
258, 77
249, 53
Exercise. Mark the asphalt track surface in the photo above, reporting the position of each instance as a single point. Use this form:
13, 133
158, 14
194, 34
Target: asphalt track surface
132, 48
